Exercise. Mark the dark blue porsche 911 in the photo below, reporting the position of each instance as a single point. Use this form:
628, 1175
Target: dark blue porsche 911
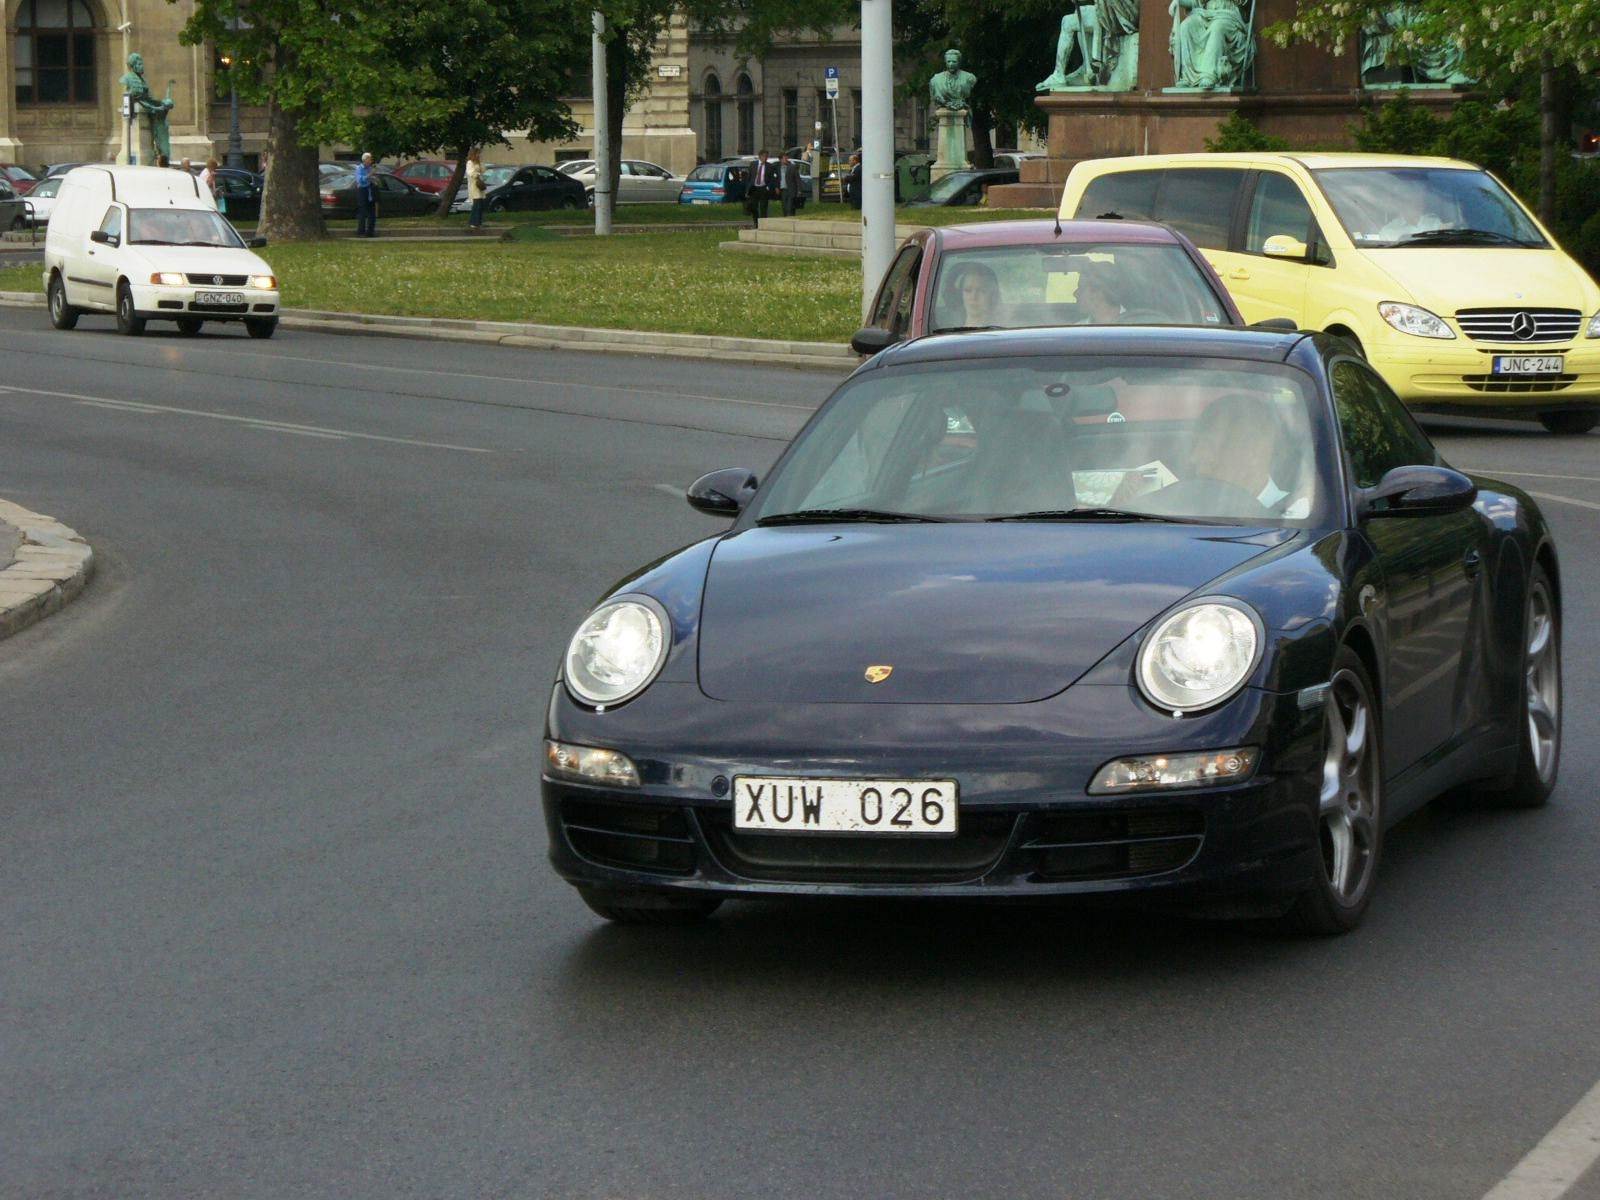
1191, 612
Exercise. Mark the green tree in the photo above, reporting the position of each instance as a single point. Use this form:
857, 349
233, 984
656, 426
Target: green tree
1238, 134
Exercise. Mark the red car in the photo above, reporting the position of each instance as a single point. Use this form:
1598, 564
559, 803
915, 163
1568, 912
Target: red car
20, 178
1016, 274
429, 174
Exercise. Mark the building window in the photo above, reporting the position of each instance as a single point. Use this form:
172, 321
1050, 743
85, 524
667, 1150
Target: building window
825, 115
55, 52
855, 114
747, 114
713, 103
791, 117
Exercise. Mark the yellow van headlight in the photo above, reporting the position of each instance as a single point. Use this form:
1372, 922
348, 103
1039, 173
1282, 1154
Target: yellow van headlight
1594, 326
1408, 318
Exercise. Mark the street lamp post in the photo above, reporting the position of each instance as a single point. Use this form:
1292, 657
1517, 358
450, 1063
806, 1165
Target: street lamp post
235, 140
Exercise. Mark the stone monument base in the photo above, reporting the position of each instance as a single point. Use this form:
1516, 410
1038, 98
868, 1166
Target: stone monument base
951, 143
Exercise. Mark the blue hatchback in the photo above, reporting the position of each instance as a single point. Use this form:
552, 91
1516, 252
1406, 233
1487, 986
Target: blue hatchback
716, 183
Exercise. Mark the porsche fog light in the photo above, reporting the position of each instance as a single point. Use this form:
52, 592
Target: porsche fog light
1199, 655
168, 279
589, 764
1408, 318
1212, 768
617, 651
1594, 327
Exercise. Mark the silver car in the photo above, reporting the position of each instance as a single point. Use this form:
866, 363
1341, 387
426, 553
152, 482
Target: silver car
640, 182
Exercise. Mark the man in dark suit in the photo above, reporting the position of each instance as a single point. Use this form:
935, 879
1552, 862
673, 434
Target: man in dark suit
789, 184
763, 183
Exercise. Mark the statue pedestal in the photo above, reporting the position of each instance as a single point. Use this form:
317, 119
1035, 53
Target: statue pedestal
952, 143
143, 146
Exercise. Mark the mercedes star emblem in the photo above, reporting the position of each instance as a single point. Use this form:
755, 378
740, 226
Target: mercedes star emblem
1522, 326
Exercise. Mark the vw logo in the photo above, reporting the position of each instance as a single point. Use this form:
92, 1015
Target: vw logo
1522, 326
218, 279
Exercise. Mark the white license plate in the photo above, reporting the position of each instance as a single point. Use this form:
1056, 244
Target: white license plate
882, 806
1528, 364
219, 297
699, 202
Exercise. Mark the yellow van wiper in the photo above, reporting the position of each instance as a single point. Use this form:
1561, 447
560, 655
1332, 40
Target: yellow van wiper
1464, 237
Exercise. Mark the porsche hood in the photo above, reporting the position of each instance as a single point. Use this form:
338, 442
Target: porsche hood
939, 614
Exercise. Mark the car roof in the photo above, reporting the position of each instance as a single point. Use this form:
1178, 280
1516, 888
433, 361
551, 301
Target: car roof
1311, 160
1032, 232
1255, 345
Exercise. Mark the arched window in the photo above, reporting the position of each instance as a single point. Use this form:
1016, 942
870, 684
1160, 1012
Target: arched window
713, 95
747, 114
55, 52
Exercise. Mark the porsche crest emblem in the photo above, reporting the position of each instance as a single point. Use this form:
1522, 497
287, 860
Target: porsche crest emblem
879, 674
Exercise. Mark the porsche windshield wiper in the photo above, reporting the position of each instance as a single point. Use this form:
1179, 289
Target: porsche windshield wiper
1094, 514
822, 516
967, 328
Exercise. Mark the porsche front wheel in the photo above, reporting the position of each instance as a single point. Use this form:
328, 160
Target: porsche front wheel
1539, 729
1350, 805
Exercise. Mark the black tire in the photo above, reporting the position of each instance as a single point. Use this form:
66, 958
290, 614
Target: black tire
189, 326
570, 202
1350, 808
128, 320
261, 327
19, 222
588, 197
497, 206
1539, 705
1567, 421
62, 314
645, 906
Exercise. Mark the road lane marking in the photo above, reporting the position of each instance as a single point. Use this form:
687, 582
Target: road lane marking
257, 422
1552, 1167
1532, 474
1565, 500
332, 437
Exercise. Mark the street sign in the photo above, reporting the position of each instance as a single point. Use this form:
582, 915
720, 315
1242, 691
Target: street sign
830, 72
833, 87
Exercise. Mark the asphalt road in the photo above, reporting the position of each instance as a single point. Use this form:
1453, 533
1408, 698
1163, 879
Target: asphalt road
277, 921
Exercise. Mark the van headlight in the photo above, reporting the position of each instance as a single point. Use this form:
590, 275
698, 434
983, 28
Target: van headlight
1200, 655
1594, 326
617, 651
168, 278
1408, 318
267, 283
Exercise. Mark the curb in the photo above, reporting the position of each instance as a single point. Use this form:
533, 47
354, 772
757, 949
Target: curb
825, 355
52, 566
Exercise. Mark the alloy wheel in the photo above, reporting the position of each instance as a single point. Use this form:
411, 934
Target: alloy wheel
1541, 661
1350, 789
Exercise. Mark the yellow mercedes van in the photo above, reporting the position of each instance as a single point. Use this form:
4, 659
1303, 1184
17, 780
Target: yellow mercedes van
1452, 289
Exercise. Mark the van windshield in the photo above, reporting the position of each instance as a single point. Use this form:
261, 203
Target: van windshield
1426, 206
180, 227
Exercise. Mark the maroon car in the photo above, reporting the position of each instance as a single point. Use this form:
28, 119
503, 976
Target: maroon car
1016, 274
19, 177
429, 174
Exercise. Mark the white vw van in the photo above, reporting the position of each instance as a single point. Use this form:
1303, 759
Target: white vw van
147, 243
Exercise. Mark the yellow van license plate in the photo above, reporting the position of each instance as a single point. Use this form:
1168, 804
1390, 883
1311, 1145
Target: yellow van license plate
1528, 364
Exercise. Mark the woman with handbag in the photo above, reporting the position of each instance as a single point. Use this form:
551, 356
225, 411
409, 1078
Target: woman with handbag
475, 189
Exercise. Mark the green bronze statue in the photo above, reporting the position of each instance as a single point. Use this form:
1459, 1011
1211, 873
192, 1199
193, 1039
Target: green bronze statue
951, 86
142, 101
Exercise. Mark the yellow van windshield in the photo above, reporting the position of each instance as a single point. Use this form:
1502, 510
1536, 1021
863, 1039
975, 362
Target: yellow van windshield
1426, 206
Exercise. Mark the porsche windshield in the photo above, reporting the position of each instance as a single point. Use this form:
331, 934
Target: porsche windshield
1426, 206
179, 227
1061, 439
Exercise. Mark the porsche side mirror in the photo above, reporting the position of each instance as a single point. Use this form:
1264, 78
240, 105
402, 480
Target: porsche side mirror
1276, 324
870, 340
722, 493
1418, 491
1281, 245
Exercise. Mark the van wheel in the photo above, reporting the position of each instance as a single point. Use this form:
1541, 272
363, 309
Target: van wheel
128, 321
62, 314
1565, 421
189, 326
261, 327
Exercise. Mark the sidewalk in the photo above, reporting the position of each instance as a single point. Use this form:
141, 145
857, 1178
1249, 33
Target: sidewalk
826, 355
49, 565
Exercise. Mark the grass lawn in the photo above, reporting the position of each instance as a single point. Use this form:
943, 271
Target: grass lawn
675, 282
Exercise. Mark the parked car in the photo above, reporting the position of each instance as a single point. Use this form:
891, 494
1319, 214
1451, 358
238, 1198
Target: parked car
42, 200
13, 208
716, 183
493, 177
1014, 158
396, 197
535, 187
240, 193
978, 635
428, 174
1039, 273
147, 244
639, 182
19, 177
64, 167
1453, 290
964, 187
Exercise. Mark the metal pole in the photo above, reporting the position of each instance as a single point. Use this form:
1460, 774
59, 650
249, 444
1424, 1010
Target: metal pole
235, 140
877, 146
602, 130
125, 155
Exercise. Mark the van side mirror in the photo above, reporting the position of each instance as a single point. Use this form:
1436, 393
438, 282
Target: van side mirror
722, 493
1281, 245
103, 238
256, 243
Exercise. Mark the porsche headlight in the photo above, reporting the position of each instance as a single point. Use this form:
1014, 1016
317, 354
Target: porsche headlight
1594, 326
1408, 318
617, 650
1199, 655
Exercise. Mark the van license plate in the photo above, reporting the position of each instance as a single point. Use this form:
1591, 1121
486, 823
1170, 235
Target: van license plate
221, 298
1528, 364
